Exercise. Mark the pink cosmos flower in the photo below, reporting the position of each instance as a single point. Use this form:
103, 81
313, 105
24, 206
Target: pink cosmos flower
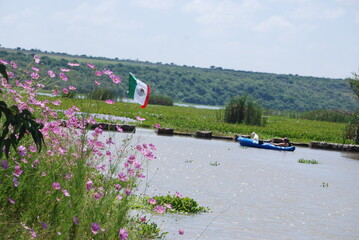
91, 65
123, 234
76, 220
143, 219
131, 159
140, 119
96, 195
13, 64
160, 209
89, 185
11, 201
3, 62
66, 193
119, 197
110, 101
35, 75
33, 233
35, 69
56, 186
4, 164
57, 102
22, 150
180, 231
122, 177
63, 76
55, 92
157, 125
36, 59
119, 128
107, 72
179, 195
98, 73
16, 182
117, 186
128, 191
51, 73
116, 79
73, 64
65, 70
65, 90
95, 227
72, 88
152, 201
97, 83
152, 146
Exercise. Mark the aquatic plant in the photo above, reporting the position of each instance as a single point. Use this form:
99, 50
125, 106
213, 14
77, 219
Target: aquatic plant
308, 161
215, 163
171, 203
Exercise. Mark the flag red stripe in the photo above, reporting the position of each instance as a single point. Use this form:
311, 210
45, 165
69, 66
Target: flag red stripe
147, 97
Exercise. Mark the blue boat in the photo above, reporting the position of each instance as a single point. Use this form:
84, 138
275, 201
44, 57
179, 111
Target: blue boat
247, 142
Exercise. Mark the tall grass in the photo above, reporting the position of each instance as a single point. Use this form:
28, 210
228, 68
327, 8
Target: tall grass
243, 110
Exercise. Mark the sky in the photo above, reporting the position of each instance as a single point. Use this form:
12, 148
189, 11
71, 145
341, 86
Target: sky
306, 37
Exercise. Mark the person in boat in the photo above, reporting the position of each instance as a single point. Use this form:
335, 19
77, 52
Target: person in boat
255, 137
283, 142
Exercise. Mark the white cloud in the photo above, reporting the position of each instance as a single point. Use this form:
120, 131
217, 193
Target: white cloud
357, 16
154, 4
273, 23
222, 12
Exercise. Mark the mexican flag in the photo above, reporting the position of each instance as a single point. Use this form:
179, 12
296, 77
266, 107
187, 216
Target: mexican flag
138, 91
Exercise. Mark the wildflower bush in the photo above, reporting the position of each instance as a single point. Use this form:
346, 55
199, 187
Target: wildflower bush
80, 184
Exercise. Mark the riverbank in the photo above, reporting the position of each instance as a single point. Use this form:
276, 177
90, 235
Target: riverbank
188, 120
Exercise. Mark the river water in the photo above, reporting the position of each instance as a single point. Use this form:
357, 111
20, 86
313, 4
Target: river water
253, 193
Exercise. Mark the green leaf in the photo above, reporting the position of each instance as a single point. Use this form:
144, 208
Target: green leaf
3, 71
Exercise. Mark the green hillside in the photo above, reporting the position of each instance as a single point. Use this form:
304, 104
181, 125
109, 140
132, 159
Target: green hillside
208, 86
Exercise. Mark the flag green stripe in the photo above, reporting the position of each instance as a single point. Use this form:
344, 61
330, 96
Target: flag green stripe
132, 86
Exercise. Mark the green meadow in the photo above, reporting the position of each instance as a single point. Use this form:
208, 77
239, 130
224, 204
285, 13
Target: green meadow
190, 119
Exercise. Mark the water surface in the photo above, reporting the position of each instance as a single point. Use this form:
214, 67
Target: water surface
253, 193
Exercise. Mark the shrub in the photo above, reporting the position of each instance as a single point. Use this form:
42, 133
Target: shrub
161, 100
243, 110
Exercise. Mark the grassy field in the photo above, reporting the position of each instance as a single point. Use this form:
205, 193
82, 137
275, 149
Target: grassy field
188, 119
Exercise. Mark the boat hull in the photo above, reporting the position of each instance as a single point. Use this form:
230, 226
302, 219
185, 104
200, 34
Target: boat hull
247, 142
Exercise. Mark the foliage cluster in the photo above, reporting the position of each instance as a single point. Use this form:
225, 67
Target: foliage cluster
161, 100
243, 110
175, 204
212, 86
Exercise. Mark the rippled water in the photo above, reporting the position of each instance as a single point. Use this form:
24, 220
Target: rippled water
254, 193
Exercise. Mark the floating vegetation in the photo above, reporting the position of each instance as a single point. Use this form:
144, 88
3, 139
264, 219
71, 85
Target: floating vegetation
188, 161
325, 184
215, 163
308, 161
173, 204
